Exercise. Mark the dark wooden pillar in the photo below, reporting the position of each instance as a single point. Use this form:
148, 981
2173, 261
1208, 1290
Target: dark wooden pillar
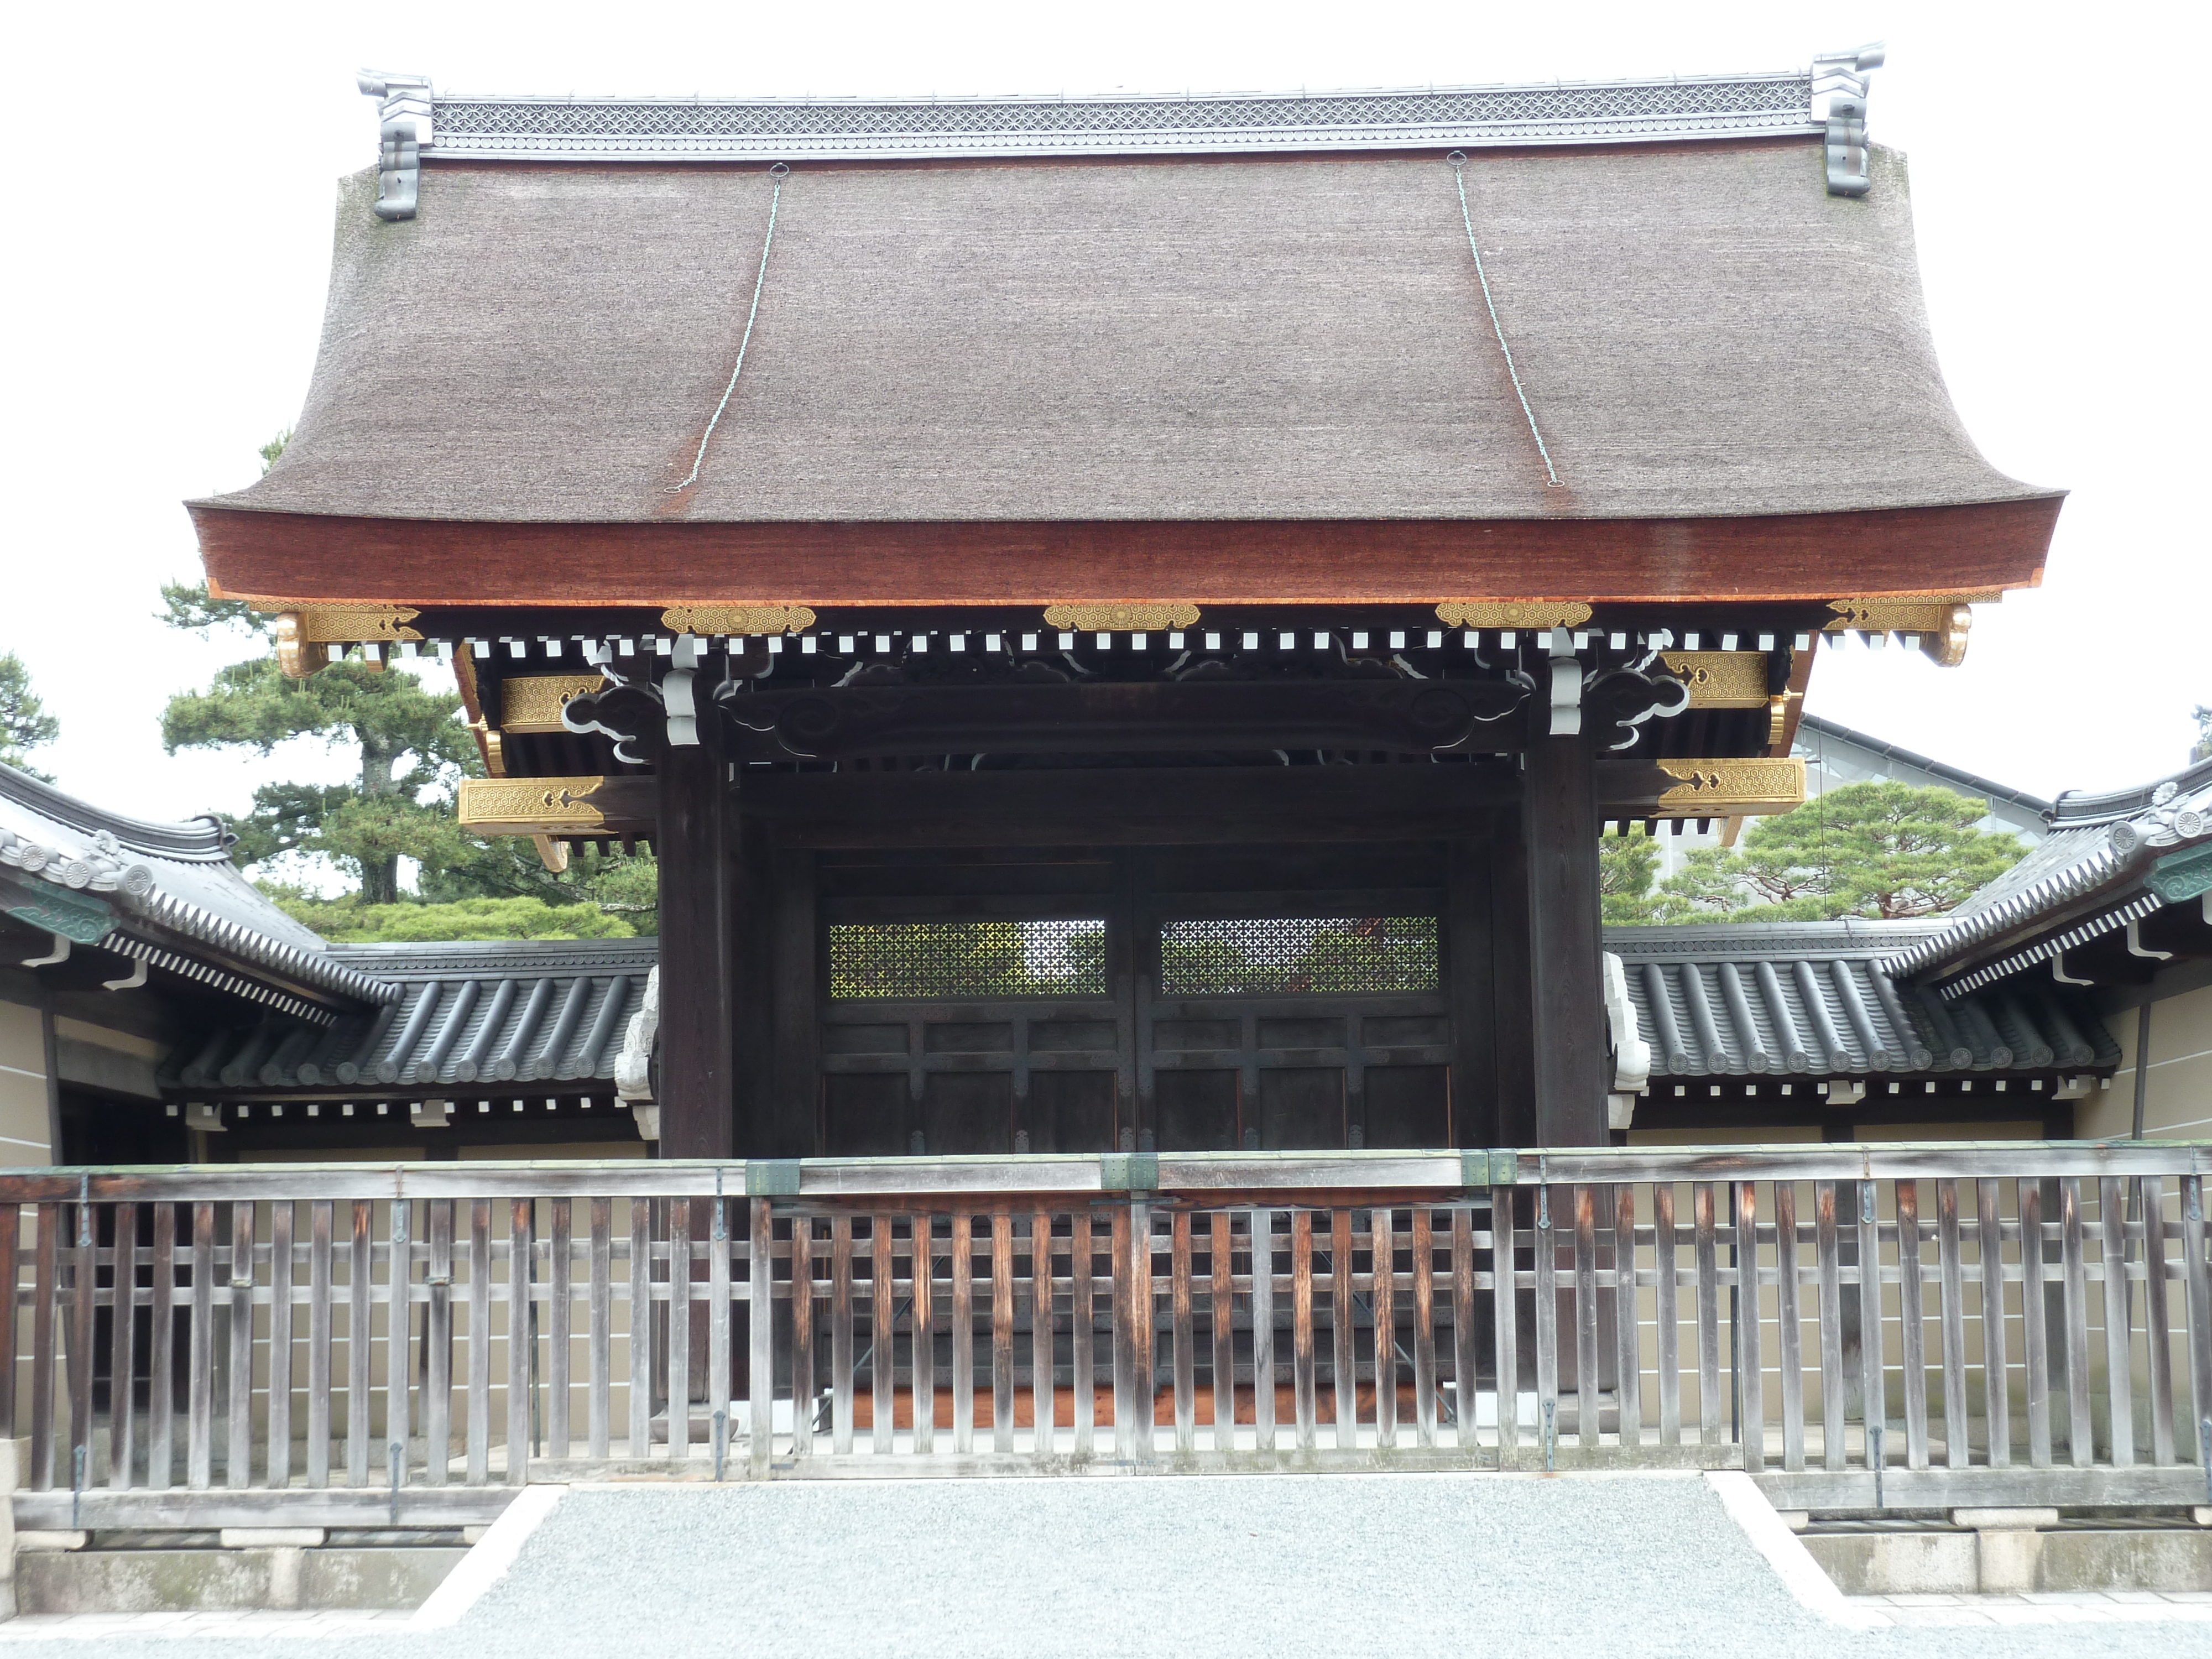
1568, 1051
697, 1040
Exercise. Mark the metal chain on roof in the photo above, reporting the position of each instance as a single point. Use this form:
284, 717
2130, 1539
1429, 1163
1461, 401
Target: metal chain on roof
778, 173
1458, 161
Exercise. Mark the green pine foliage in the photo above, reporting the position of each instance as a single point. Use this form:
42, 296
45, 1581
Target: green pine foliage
350, 920
1625, 864
24, 723
1882, 850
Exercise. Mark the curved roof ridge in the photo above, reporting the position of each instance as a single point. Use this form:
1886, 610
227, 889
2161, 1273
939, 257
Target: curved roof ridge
200, 839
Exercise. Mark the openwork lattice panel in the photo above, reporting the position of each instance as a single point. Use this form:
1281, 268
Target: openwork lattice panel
1278, 956
968, 959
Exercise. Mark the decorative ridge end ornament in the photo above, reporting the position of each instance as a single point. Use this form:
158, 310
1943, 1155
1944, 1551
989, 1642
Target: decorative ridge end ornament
711, 621
1133, 617
1841, 78
1939, 621
1729, 788
634, 1063
1512, 613
534, 702
404, 118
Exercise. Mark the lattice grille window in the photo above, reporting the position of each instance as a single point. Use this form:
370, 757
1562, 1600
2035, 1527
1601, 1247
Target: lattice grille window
1261, 956
961, 959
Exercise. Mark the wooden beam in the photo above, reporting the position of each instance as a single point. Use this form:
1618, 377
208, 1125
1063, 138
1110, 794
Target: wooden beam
698, 1072
314, 558
1559, 825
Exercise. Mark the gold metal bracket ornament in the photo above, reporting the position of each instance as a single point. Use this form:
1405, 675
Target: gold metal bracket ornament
1139, 617
304, 636
1939, 621
1512, 613
1721, 679
530, 806
1732, 788
533, 703
713, 621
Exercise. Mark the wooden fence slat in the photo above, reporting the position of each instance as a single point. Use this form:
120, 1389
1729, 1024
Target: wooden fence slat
679, 1332
1827, 1260
238, 1447
521, 1339
200, 1446
319, 1336
280, 1340
2081, 1445
1958, 1432
399, 1334
1342, 1362
11, 1222
641, 1327
1788, 1329
1666, 1282
1467, 1386
2158, 1331
2196, 1288
83, 1312
438, 1346
760, 1330
599, 1407
478, 1428
45, 1277
1382, 1250
1043, 1437
1628, 1356
883, 1334
1989, 1253
2113, 1265
1748, 1363
1911, 1326
1425, 1327
1301, 1325
1505, 1318
1261, 1235
1587, 1379
1706, 1257
1222, 1327
719, 1426
1144, 1289
924, 1325
1002, 1331
1082, 1311
122, 1362
559, 1311
1547, 1321
2034, 1324
162, 1351
964, 1332
359, 1289
1186, 1371
1873, 1395
1123, 1335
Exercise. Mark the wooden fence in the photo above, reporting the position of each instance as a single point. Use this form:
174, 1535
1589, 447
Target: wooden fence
1860, 1325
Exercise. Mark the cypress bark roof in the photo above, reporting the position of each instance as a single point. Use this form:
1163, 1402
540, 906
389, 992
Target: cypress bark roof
1703, 330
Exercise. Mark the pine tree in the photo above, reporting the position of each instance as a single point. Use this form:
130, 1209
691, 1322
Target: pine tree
24, 723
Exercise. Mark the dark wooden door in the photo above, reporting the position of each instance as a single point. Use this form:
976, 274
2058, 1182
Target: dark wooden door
1203, 1001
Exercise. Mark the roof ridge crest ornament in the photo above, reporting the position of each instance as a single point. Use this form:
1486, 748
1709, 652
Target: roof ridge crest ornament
1841, 78
404, 126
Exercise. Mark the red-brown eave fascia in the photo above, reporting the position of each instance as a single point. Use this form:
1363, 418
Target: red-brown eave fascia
312, 559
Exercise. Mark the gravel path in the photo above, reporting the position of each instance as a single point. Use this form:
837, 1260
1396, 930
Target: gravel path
1267, 1566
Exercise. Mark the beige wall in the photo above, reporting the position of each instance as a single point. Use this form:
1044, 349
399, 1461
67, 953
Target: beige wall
23, 1120
2179, 1101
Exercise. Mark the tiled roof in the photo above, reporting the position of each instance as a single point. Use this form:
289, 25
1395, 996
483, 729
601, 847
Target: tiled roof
1813, 998
473, 1013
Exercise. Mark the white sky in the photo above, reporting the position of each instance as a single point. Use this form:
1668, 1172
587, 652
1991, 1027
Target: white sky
170, 220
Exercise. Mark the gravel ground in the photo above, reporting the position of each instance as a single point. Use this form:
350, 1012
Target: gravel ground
1224, 1566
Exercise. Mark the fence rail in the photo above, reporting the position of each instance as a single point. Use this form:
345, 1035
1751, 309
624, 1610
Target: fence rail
1903, 1326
